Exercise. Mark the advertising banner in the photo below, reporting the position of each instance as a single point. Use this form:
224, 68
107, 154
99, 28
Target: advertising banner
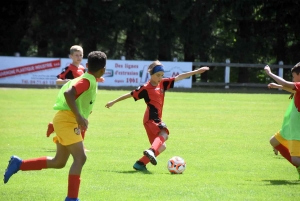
119, 73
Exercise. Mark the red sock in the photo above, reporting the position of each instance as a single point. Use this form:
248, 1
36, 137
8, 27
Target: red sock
73, 186
144, 160
158, 141
34, 164
284, 152
83, 134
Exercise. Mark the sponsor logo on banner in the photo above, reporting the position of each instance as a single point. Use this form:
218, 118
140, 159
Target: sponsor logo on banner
173, 72
108, 73
145, 76
29, 68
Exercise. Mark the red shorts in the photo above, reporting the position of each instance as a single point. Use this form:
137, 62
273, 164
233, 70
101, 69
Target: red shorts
153, 129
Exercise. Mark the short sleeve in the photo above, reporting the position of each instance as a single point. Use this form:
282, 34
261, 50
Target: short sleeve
139, 93
64, 73
297, 86
81, 86
168, 83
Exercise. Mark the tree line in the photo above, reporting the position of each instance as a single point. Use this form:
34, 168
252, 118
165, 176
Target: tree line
246, 31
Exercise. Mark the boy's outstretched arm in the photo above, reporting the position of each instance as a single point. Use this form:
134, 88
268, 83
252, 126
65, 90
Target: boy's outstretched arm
188, 74
111, 103
278, 79
277, 86
61, 82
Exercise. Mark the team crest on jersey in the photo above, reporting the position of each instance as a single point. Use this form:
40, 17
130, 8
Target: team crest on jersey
77, 131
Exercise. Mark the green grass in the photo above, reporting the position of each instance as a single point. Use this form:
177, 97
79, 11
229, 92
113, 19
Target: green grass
223, 137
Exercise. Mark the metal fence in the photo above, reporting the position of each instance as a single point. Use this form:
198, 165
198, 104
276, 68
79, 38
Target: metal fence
227, 66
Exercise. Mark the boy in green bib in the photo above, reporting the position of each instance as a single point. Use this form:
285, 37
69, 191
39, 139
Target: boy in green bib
287, 140
74, 103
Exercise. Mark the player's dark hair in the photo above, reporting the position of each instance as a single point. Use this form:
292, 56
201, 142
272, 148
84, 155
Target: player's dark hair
296, 69
96, 61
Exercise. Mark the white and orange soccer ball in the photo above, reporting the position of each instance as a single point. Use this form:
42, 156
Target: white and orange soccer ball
176, 165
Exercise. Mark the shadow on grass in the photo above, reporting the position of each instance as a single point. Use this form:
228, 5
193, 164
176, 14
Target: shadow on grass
282, 182
128, 171
141, 172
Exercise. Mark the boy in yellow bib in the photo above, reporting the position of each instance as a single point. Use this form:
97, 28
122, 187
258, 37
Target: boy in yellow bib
74, 103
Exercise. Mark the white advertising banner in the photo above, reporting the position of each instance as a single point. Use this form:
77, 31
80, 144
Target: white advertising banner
43, 71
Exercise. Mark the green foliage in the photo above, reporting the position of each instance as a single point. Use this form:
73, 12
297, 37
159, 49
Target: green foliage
208, 30
223, 137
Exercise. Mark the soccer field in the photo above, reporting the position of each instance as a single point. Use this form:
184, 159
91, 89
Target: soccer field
223, 137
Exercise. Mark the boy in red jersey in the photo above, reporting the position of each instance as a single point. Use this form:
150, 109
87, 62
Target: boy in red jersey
74, 103
75, 69
287, 140
153, 93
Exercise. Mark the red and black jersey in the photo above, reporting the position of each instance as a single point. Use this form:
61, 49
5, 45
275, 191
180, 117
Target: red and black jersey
71, 72
154, 98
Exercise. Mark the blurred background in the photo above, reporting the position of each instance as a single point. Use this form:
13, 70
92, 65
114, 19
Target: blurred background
244, 31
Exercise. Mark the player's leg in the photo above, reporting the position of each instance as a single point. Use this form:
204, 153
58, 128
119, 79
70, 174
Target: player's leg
58, 162
140, 164
50, 129
83, 136
152, 131
275, 144
159, 140
162, 148
144, 160
61, 157
281, 145
275, 151
79, 158
16, 164
158, 144
294, 146
68, 134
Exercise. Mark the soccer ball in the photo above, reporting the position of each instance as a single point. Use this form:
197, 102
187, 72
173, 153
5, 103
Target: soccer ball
176, 165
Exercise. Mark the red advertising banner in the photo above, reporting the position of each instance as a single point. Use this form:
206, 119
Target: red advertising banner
30, 68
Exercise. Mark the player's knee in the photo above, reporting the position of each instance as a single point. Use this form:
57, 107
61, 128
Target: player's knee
57, 163
81, 159
273, 141
296, 160
60, 165
164, 134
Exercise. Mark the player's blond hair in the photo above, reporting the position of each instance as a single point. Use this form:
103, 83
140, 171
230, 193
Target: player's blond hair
76, 48
151, 66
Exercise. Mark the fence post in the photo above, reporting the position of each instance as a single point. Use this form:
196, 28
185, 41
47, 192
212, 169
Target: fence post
280, 71
227, 74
